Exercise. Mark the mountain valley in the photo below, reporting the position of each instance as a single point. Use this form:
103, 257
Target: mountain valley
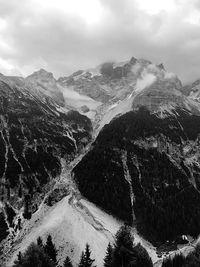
84, 154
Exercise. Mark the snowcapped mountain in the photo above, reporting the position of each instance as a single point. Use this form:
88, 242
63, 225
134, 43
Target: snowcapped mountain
85, 153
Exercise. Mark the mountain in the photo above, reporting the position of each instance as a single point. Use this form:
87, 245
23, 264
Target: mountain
116, 85
143, 167
43, 82
84, 154
106, 82
34, 136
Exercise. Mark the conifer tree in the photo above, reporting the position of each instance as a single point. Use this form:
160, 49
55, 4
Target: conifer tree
122, 252
67, 262
88, 260
39, 241
82, 260
108, 257
50, 249
34, 256
141, 257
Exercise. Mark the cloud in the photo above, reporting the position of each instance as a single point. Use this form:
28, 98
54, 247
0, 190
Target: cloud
146, 80
66, 35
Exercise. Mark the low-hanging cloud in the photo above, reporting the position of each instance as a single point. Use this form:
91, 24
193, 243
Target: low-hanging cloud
65, 35
147, 79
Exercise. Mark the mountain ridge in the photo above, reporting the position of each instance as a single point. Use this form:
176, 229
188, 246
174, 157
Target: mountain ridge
129, 136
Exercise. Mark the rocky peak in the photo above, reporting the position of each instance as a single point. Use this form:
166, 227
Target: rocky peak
161, 66
43, 82
133, 60
40, 74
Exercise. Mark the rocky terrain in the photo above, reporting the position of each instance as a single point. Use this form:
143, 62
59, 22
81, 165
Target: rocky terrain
34, 136
124, 136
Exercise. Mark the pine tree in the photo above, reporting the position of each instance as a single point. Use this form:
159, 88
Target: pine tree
50, 249
88, 260
108, 257
122, 252
39, 242
34, 256
82, 260
141, 257
67, 262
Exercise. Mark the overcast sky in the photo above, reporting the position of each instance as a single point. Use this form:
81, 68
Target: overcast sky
65, 35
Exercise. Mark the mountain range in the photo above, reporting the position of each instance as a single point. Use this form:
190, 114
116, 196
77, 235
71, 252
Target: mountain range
83, 154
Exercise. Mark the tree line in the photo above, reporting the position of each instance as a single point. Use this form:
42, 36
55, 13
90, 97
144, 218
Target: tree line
123, 253
179, 260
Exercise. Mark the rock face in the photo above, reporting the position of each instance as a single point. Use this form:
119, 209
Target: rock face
115, 85
43, 82
108, 82
34, 136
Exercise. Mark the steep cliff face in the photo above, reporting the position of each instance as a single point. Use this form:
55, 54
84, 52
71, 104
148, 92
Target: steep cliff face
34, 136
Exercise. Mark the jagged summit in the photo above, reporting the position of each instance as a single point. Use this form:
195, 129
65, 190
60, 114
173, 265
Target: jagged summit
114, 81
45, 83
161, 66
41, 73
